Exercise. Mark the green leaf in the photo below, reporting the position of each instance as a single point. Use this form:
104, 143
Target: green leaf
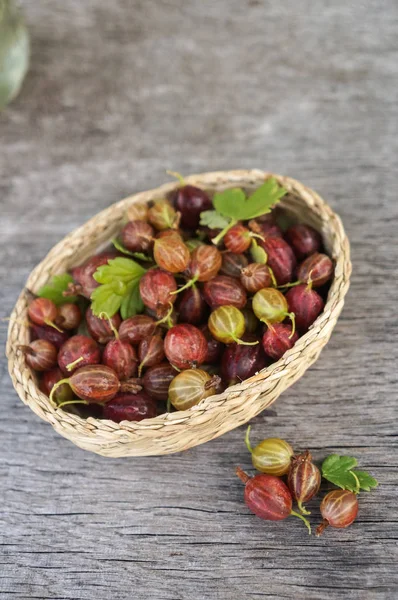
366, 481
121, 268
229, 202
212, 219
258, 253
132, 303
138, 255
105, 300
340, 471
55, 288
262, 200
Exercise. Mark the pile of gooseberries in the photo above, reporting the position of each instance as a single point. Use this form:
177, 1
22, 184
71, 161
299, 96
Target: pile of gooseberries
211, 315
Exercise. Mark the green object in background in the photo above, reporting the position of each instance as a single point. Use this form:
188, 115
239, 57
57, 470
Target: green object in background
14, 51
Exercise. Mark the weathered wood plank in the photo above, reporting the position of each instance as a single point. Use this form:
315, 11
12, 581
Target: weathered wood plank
116, 94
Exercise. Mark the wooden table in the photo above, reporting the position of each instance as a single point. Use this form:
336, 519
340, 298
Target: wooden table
117, 93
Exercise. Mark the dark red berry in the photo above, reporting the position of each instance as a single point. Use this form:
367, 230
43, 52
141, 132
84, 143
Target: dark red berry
130, 407
278, 339
40, 355
339, 509
77, 352
265, 226
238, 239
85, 283
185, 346
303, 239
306, 304
268, 497
281, 258
42, 311
120, 356
137, 236
45, 332
255, 276
239, 362
156, 288
304, 479
317, 269
134, 329
214, 347
192, 307
101, 329
223, 290
191, 201
150, 352
69, 316
157, 379
232, 264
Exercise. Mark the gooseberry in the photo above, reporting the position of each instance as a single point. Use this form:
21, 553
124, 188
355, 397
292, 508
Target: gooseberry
303, 239
277, 339
306, 304
43, 311
223, 290
255, 276
137, 236
304, 479
69, 316
78, 351
317, 269
272, 455
339, 509
191, 201
47, 382
270, 306
40, 355
190, 387
232, 264
185, 346
214, 347
156, 287
280, 259
227, 325
101, 328
130, 407
150, 352
134, 329
268, 497
171, 254
163, 216
157, 379
192, 307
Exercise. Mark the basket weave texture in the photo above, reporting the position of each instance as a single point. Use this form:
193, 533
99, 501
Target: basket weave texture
218, 414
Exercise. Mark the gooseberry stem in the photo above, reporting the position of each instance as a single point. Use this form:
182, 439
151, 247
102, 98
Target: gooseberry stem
168, 405
244, 477
51, 324
73, 364
256, 235
220, 236
247, 440
166, 318
213, 382
242, 343
307, 524
188, 284
302, 508
292, 317
104, 315
177, 176
321, 528
289, 285
273, 278
71, 402
55, 387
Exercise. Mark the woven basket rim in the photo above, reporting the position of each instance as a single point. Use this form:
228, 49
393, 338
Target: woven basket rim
275, 371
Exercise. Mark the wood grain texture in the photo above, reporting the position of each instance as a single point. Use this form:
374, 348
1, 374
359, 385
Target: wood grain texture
117, 93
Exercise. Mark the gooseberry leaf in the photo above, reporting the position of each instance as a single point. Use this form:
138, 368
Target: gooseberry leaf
104, 300
132, 303
55, 288
340, 471
366, 481
212, 219
234, 204
118, 278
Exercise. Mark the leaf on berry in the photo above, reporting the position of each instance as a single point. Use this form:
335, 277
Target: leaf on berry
212, 219
132, 303
340, 471
118, 278
55, 288
105, 300
258, 253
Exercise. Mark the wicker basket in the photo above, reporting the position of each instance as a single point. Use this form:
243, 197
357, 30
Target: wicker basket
213, 416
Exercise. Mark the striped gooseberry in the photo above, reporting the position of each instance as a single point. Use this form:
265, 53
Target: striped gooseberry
185, 346
137, 236
278, 339
40, 355
339, 509
223, 290
270, 306
255, 276
171, 254
272, 455
227, 325
304, 479
190, 387
316, 270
